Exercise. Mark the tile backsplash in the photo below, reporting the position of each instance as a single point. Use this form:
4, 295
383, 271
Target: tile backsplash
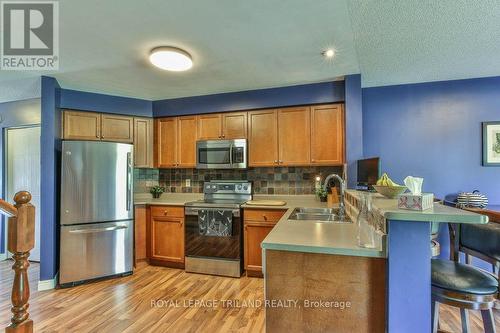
281, 180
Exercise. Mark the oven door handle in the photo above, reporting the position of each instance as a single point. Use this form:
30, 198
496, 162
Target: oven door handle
192, 211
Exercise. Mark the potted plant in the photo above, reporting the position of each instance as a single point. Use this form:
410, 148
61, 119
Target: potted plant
156, 191
322, 194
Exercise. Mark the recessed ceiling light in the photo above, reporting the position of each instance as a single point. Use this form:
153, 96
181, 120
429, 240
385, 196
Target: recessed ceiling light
171, 59
329, 53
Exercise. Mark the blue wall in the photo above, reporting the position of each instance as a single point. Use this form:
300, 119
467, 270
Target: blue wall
50, 153
14, 114
53, 100
316, 93
81, 100
354, 126
433, 130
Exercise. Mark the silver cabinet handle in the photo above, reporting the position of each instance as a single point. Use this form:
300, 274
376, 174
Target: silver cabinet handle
94, 230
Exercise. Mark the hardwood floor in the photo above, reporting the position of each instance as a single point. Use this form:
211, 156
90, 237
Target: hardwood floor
128, 304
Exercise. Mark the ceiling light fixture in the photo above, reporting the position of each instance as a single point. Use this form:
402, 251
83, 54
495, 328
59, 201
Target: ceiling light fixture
171, 59
329, 54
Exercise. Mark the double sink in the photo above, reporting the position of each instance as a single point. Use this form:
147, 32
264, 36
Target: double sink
318, 215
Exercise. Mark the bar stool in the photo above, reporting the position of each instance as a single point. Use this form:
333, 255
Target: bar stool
466, 287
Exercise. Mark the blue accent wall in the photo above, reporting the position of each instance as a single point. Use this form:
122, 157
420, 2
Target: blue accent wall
50, 153
88, 101
14, 114
316, 93
354, 126
433, 130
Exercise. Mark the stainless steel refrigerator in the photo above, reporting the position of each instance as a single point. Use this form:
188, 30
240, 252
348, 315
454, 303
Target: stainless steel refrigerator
96, 211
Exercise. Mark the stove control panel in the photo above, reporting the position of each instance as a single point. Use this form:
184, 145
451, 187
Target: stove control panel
225, 187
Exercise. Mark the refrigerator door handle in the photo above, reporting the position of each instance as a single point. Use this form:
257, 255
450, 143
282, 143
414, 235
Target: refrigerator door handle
129, 181
94, 230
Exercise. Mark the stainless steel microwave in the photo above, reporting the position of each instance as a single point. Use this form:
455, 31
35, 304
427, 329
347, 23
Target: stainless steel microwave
221, 154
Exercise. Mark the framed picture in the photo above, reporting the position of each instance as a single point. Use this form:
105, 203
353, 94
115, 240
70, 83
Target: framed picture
491, 143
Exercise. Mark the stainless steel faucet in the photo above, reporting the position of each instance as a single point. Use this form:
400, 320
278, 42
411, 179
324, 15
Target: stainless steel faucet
342, 189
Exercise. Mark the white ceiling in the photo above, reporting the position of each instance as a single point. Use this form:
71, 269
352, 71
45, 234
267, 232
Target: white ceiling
242, 45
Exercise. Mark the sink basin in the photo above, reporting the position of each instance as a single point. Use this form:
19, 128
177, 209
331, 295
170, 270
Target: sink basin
317, 215
316, 210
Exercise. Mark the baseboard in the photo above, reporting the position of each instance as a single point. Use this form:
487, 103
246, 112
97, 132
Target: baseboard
47, 284
3, 256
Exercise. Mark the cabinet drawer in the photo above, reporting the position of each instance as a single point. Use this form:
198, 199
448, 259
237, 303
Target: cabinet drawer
167, 211
264, 215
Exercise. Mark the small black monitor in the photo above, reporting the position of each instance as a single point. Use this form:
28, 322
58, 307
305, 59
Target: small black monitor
368, 172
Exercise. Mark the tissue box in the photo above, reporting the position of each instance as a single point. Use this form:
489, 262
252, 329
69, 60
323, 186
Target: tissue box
416, 202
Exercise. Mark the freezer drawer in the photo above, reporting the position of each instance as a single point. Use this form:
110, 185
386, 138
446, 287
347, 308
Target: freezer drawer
95, 250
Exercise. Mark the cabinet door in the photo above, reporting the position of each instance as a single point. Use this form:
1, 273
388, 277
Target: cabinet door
263, 138
255, 232
81, 125
294, 136
143, 142
166, 142
167, 239
327, 134
140, 222
210, 127
117, 128
234, 125
186, 153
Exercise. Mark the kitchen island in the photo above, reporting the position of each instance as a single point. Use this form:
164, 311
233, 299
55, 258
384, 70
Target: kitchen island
388, 288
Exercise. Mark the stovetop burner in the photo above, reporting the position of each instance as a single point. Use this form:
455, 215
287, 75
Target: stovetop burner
224, 194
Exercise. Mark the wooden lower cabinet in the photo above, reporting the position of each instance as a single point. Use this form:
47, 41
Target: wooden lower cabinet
258, 223
140, 226
166, 236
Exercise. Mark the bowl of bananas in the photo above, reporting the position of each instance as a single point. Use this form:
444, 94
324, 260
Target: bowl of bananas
388, 188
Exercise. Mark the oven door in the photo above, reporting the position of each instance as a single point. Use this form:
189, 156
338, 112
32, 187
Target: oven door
198, 245
221, 154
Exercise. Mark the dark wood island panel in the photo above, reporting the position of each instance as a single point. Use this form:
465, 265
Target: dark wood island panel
303, 277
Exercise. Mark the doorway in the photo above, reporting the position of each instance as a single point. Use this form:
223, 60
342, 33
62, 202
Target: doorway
22, 172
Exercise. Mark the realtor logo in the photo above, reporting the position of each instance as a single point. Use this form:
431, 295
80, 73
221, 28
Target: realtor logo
30, 35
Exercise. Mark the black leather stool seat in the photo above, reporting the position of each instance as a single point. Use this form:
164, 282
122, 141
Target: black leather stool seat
484, 238
463, 278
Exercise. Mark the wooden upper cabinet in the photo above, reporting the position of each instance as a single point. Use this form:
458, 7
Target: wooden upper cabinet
117, 128
210, 126
234, 125
165, 142
143, 142
327, 135
294, 136
263, 138
186, 153
81, 125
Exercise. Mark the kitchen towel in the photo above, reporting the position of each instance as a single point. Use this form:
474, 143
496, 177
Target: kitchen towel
215, 222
